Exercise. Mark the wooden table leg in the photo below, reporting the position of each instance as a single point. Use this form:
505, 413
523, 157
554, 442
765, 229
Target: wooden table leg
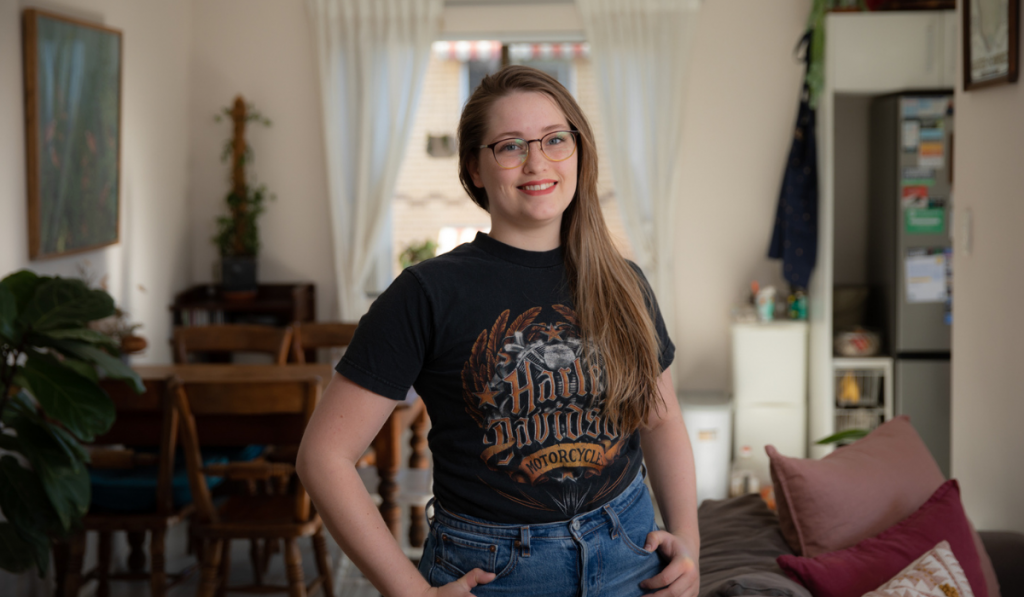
387, 447
418, 460
136, 553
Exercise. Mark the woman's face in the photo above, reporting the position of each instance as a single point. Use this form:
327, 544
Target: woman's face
526, 202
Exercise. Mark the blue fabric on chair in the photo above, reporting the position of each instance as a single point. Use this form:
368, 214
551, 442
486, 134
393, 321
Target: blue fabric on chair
135, 490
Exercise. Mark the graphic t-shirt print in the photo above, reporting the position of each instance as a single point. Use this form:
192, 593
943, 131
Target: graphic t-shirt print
539, 403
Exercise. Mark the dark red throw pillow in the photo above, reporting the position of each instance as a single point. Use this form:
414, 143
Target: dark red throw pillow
864, 567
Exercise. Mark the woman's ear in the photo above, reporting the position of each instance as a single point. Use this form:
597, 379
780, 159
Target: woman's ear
474, 172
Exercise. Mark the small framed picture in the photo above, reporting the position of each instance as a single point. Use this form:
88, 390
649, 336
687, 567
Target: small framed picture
991, 42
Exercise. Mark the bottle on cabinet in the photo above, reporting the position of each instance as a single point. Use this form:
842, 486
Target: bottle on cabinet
743, 479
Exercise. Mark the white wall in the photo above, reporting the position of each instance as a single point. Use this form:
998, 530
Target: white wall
988, 321
150, 263
263, 50
740, 115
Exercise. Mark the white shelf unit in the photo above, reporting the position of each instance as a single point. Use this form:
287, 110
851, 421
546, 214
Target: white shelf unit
866, 54
863, 392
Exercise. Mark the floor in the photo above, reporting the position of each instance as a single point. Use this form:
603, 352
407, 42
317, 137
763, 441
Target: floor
414, 484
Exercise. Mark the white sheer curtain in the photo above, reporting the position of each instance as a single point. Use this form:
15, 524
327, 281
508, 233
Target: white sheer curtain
641, 55
372, 56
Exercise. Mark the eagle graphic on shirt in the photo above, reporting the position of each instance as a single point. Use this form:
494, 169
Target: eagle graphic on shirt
539, 405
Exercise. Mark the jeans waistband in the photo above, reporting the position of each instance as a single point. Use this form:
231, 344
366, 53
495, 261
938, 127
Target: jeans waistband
581, 524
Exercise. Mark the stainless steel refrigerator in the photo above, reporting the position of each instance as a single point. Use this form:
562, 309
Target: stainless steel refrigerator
910, 255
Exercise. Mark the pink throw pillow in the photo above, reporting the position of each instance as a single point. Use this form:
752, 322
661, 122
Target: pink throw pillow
854, 571
858, 491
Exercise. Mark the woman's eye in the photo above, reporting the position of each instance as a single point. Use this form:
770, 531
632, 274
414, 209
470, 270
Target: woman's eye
510, 147
556, 140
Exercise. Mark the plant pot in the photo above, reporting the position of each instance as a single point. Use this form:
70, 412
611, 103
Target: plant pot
133, 344
238, 274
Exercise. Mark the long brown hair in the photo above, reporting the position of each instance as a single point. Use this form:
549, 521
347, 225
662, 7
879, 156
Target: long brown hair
609, 297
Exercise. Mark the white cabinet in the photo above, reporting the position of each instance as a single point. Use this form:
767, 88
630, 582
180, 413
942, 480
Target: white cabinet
879, 52
770, 390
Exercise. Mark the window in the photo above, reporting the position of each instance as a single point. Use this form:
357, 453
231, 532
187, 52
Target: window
430, 203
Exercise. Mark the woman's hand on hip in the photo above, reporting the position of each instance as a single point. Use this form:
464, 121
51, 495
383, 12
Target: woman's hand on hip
463, 586
680, 578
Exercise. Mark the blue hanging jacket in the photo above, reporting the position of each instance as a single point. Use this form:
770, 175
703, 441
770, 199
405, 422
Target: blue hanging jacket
795, 238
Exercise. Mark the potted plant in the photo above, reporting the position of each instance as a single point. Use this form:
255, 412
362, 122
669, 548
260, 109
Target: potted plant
237, 235
416, 252
122, 331
50, 402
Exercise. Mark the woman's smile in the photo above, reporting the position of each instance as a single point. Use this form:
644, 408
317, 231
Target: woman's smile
540, 187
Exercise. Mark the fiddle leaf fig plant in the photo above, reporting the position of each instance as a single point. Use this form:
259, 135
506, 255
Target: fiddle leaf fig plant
50, 402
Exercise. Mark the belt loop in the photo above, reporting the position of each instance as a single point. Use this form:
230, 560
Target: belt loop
613, 519
524, 541
428, 510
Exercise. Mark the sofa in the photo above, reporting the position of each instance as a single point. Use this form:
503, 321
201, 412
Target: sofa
851, 524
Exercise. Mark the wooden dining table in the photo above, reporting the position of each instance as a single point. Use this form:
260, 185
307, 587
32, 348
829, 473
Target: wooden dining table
386, 444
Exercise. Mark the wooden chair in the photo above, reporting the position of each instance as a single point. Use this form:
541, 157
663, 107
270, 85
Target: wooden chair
310, 336
143, 422
230, 413
271, 340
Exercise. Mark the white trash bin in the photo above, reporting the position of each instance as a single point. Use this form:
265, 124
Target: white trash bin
708, 418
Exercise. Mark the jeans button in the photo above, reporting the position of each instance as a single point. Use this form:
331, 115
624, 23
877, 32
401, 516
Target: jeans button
576, 525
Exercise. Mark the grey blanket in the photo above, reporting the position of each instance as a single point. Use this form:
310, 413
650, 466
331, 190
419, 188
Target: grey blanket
739, 541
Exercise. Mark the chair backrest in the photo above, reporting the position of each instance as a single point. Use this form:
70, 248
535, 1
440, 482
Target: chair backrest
232, 338
310, 335
143, 421
238, 412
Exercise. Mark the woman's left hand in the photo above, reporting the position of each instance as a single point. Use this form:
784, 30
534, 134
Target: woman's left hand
680, 578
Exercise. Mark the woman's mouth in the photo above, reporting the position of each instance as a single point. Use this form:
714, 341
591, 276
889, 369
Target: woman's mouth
541, 187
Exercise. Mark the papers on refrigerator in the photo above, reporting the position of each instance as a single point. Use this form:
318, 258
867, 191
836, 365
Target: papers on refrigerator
926, 278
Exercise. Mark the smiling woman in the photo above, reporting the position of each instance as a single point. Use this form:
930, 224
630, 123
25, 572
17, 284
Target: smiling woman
541, 356
526, 191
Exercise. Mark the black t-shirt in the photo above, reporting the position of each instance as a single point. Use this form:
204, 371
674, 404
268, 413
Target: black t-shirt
487, 336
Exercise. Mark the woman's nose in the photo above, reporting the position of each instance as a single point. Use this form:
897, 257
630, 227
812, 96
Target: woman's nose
535, 159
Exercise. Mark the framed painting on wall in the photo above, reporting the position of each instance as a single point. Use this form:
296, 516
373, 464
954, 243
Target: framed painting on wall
991, 42
73, 133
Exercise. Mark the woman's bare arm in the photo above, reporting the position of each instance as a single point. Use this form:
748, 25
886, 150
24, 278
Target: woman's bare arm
669, 459
343, 425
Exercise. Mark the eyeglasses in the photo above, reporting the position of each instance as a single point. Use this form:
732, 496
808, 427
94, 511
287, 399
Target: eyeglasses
511, 153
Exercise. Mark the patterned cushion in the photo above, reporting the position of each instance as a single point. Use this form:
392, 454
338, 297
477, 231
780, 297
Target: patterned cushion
935, 574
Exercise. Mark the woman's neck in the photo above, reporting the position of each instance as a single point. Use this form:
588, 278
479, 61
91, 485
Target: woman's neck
537, 239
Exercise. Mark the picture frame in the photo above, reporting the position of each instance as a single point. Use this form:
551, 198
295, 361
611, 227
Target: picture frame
72, 71
991, 42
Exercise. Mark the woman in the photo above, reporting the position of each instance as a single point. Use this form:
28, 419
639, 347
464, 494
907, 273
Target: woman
542, 359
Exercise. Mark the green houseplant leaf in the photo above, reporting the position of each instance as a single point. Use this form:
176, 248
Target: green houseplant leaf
60, 302
27, 507
23, 285
75, 401
8, 313
40, 440
84, 335
86, 370
15, 554
111, 365
842, 436
57, 459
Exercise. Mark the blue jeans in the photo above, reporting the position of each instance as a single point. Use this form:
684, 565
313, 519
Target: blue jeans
595, 554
